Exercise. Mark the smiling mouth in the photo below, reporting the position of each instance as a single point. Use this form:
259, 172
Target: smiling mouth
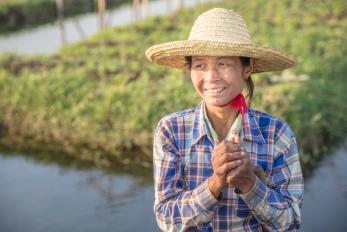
215, 90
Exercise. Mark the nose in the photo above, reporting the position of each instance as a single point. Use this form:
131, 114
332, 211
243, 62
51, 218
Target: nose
212, 75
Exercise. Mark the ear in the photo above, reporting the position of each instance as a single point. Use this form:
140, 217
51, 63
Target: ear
249, 69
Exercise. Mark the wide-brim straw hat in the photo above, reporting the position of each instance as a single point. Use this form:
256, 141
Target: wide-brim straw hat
219, 32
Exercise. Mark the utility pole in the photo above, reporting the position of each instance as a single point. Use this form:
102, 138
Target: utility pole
180, 4
145, 5
168, 5
101, 12
136, 9
60, 13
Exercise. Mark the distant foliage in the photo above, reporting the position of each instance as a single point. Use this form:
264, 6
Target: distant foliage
100, 99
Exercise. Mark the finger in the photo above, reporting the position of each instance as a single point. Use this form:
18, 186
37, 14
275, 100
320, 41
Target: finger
230, 165
223, 147
217, 153
231, 175
219, 146
218, 160
228, 157
244, 153
234, 156
233, 147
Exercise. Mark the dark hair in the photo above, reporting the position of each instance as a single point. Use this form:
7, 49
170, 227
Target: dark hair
245, 61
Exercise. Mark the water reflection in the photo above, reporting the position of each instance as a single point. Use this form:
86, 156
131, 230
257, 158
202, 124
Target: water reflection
68, 162
114, 190
47, 197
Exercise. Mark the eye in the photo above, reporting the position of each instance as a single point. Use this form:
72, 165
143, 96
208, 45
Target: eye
223, 64
198, 66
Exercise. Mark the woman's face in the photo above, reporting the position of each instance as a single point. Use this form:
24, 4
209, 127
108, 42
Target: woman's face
218, 79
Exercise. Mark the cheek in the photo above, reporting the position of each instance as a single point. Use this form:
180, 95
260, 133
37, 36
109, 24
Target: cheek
235, 80
197, 83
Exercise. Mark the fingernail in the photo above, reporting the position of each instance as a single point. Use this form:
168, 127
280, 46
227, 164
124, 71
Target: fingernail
238, 161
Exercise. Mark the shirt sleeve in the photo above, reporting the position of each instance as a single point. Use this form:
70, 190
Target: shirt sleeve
175, 207
278, 207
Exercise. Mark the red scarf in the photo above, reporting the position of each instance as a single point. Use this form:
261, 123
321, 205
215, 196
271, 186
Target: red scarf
239, 103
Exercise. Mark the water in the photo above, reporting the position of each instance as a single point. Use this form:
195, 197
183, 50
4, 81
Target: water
325, 198
36, 196
46, 39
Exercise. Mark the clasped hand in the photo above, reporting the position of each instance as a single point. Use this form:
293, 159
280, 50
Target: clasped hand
232, 166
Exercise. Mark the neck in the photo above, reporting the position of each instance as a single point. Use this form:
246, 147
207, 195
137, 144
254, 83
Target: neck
222, 118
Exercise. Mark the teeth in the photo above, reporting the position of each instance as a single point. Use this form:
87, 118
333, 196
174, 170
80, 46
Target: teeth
217, 90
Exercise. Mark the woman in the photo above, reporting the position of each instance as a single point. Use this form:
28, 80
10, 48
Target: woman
222, 166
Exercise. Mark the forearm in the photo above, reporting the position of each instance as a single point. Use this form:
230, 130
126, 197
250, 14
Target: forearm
186, 209
272, 209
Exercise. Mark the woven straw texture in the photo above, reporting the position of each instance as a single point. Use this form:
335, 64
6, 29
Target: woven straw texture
219, 32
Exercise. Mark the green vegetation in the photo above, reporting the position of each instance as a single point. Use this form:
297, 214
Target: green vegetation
100, 100
18, 14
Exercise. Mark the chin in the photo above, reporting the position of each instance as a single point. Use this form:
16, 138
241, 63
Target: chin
218, 103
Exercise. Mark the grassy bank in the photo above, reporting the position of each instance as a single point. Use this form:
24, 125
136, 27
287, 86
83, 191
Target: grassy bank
99, 100
19, 14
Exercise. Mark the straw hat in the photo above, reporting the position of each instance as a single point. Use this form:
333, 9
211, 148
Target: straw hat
219, 32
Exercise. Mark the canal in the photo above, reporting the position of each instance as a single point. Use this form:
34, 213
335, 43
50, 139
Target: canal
40, 196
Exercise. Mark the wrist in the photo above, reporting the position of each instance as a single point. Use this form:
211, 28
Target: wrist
215, 185
248, 184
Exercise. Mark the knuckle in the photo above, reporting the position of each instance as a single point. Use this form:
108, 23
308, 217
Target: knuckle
226, 167
226, 157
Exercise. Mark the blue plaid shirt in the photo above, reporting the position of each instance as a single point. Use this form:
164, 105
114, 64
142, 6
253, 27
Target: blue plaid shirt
182, 163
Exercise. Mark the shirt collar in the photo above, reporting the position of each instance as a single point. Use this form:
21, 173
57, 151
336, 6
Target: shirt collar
250, 129
200, 127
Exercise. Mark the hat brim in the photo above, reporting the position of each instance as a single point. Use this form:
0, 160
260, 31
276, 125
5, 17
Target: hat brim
173, 54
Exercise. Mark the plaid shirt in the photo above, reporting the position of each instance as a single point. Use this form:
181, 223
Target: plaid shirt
182, 164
